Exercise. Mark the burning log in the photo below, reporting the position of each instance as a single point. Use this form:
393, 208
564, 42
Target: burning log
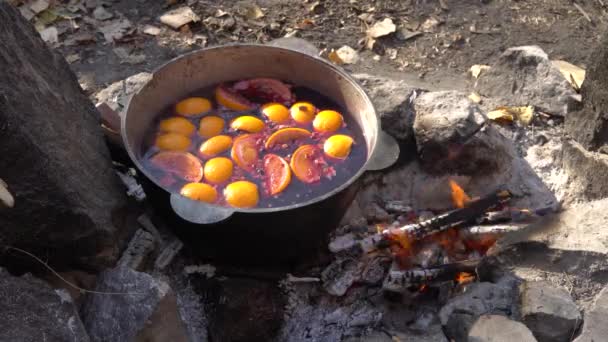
418, 231
403, 281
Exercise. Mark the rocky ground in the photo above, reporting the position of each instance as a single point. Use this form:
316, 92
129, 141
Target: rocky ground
546, 282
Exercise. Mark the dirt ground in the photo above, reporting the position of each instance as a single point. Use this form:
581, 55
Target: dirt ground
453, 34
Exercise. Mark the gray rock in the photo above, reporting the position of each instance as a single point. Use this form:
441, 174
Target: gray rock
30, 310
117, 94
393, 102
595, 328
121, 317
452, 135
589, 127
587, 171
496, 328
549, 312
461, 312
54, 158
339, 276
525, 76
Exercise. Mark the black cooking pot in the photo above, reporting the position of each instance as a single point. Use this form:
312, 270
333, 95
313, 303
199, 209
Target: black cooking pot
262, 234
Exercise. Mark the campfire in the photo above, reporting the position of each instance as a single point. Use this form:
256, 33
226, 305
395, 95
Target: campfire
447, 247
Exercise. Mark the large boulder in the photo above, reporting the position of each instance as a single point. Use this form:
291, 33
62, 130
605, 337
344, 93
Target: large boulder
524, 76
393, 100
595, 327
54, 158
30, 310
589, 126
549, 312
587, 171
496, 328
452, 134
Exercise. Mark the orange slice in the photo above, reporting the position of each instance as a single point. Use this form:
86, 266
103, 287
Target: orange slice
327, 121
286, 135
242, 194
338, 146
177, 125
303, 164
210, 126
247, 123
245, 151
172, 142
193, 106
276, 112
215, 146
303, 112
277, 173
218, 170
231, 100
179, 164
199, 192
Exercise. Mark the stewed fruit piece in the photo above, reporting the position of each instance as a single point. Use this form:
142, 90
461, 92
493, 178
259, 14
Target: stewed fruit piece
276, 112
338, 146
231, 100
286, 135
177, 125
193, 106
305, 164
247, 123
210, 126
199, 192
172, 142
277, 173
303, 112
266, 89
182, 165
245, 151
327, 121
218, 170
242, 194
214, 146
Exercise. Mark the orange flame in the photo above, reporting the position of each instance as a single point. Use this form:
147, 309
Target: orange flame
459, 197
465, 278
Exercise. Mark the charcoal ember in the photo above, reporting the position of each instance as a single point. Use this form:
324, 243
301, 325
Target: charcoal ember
54, 158
397, 207
549, 312
393, 102
339, 276
374, 271
524, 75
499, 328
347, 243
460, 312
375, 213
428, 255
141, 244
33, 311
453, 136
122, 317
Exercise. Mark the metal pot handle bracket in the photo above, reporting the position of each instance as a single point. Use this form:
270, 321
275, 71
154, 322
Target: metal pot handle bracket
196, 212
387, 149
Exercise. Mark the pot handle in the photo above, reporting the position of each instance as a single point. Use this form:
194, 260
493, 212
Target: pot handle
385, 154
197, 212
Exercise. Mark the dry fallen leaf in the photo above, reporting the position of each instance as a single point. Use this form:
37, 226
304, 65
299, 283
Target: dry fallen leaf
430, 25
509, 114
151, 30
179, 17
50, 35
115, 30
6, 199
381, 28
477, 69
72, 58
39, 6
100, 13
344, 55
475, 97
574, 74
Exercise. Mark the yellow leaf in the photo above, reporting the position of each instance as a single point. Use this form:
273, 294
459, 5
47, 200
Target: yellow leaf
477, 69
509, 114
475, 97
500, 115
574, 74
